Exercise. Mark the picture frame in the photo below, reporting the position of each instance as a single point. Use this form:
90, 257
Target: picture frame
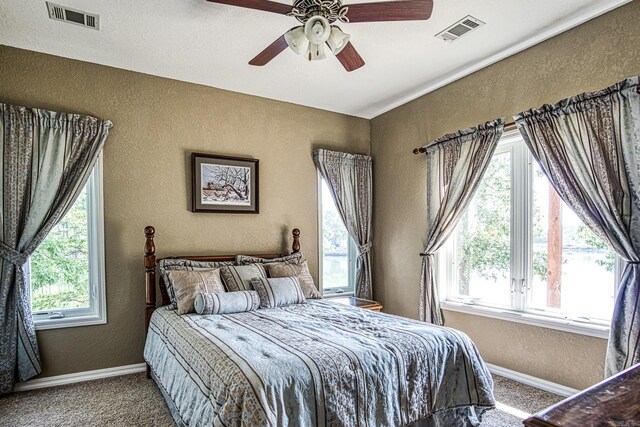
224, 184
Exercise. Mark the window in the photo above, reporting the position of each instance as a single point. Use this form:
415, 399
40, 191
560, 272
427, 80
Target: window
66, 272
337, 250
520, 253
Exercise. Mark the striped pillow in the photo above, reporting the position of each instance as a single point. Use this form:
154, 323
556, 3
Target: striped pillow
238, 277
187, 284
227, 302
180, 264
301, 272
278, 292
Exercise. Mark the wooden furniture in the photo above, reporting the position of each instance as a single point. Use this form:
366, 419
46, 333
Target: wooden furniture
150, 271
613, 402
356, 302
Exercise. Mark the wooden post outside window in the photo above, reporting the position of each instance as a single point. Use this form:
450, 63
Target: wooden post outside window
554, 252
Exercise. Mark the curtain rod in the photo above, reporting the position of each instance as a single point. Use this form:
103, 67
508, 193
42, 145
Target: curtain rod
507, 126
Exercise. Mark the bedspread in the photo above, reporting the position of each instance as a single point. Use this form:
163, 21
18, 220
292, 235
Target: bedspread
315, 364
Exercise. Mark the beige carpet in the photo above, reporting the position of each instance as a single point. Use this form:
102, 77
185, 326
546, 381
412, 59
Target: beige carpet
132, 400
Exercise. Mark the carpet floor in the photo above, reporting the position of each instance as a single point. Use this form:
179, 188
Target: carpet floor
132, 400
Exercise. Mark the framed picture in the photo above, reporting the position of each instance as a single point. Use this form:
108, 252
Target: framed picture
224, 184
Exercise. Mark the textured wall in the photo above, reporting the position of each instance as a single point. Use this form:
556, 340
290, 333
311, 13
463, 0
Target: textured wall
592, 56
157, 123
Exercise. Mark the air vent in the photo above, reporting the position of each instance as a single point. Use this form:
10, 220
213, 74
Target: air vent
73, 16
460, 28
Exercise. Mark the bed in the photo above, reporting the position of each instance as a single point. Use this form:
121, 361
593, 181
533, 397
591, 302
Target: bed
312, 364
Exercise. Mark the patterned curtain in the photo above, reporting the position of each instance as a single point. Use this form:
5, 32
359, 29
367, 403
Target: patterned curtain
589, 148
455, 166
46, 159
349, 179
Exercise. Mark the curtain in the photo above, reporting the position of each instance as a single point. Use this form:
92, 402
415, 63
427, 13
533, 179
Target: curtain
349, 179
589, 148
455, 166
46, 159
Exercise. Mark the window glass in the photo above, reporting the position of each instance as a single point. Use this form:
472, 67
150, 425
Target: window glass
337, 259
483, 246
573, 269
60, 266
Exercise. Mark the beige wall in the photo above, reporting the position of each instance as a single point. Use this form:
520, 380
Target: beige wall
592, 56
157, 123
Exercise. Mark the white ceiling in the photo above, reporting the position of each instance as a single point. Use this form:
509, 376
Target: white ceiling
211, 44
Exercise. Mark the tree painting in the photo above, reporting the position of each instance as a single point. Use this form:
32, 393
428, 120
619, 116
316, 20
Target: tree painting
225, 185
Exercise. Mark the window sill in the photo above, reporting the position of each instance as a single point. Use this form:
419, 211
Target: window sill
337, 294
69, 322
566, 325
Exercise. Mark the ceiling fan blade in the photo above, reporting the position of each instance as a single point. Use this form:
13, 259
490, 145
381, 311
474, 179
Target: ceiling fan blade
406, 10
266, 5
350, 58
270, 52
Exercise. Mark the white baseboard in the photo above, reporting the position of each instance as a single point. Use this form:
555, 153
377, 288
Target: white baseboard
532, 381
141, 367
79, 377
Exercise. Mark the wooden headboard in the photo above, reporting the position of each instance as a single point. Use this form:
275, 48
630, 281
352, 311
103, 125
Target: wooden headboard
150, 267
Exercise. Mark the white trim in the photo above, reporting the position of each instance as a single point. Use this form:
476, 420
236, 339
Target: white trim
97, 241
330, 295
69, 322
80, 377
375, 110
560, 324
536, 382
319, 207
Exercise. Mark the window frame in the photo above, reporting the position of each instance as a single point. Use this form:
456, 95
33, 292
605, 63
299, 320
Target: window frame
521, 258
96, 314
352, 251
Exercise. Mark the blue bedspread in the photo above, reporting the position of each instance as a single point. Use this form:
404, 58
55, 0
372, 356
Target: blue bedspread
315, 364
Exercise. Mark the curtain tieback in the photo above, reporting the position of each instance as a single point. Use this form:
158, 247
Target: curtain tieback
363, 249
13, 256
423, 254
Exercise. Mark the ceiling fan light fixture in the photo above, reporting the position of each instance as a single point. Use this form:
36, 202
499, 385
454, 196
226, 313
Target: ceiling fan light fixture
317, 29
316, 52
297, 40
337, 40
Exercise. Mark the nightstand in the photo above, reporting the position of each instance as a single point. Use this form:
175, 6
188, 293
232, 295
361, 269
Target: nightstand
357, 302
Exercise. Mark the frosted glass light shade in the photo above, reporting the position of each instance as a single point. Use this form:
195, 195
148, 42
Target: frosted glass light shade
317, 29
297, 40
337, 40
316, 52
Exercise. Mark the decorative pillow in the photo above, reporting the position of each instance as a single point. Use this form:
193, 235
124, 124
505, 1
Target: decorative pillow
187, 284
227, 303
301, 272
166, 265
289, 259
278, 292
238, 277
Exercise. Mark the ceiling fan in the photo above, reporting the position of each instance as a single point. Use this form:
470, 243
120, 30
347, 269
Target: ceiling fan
317, 18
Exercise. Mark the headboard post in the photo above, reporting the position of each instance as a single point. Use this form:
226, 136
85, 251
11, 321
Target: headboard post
150, 270
149, 278
295, 248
